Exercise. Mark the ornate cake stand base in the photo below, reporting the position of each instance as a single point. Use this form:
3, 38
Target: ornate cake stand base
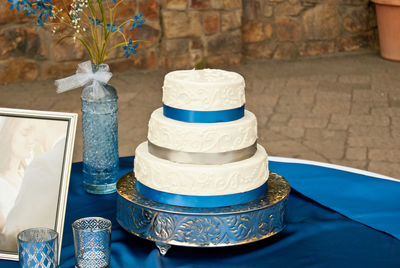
168, 225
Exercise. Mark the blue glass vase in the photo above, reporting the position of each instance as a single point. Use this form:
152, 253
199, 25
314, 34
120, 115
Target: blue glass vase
100, 136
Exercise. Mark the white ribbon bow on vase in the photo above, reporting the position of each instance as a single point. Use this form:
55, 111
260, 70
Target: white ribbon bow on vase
85, 75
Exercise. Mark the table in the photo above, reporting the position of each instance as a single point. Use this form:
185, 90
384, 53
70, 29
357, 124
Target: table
337, 217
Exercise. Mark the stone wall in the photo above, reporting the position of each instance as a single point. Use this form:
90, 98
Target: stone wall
201, 33
196, 33
284, 29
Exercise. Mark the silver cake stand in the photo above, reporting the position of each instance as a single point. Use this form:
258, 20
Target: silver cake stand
168, 225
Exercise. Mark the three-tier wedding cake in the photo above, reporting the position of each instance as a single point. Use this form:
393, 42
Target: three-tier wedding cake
202, 146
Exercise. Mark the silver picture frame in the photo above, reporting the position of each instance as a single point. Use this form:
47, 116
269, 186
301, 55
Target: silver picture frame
43, 190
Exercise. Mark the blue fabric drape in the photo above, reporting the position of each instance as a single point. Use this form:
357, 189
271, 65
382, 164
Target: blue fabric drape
316, 235
368, 200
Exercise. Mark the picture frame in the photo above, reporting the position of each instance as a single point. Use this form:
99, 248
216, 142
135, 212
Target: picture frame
35, 166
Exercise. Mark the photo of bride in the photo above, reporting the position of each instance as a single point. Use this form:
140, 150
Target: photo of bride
31, 169
16, 145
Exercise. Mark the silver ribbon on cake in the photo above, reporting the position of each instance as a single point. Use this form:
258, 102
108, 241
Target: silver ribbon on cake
202, 158
85, 75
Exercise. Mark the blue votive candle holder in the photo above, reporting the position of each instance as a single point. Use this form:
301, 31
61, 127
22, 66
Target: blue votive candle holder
38, 247
92, 241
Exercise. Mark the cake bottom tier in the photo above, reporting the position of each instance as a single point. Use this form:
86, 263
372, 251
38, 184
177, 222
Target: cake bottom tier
241, 177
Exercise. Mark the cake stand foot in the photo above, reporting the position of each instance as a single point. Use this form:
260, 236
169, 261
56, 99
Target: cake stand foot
163, 248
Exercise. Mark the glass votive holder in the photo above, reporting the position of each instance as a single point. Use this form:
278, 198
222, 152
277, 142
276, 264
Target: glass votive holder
38, 247
92, 241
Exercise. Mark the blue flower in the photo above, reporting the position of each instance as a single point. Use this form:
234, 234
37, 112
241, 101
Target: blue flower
114, 28
15, 3
138, 21
130, 49
45, 8
43, 17
20, 4
28, 10
97, 22
41, 4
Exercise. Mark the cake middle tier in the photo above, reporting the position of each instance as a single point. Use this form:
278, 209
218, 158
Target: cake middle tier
200, 180
202, 137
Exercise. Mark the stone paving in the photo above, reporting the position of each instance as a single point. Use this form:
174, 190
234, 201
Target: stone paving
343, 109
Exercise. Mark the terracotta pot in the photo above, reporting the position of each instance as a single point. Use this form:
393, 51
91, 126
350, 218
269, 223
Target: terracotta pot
388, 17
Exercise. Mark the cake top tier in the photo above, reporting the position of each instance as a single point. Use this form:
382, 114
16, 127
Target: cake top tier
204, 90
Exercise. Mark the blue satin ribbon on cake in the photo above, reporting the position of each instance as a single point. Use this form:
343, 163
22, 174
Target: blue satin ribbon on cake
203, 116
200, 201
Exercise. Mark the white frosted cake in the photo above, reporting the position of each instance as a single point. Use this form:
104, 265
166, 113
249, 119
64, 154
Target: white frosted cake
202, 146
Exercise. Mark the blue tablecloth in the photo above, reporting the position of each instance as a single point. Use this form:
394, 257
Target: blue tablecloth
335, 218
